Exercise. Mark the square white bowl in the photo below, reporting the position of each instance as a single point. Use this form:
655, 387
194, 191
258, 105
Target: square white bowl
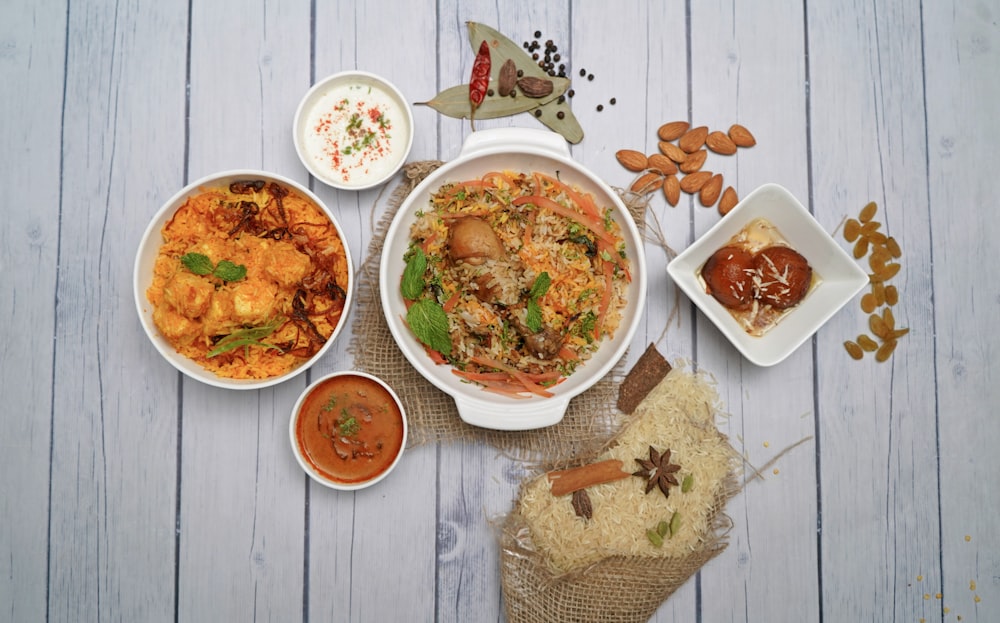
840, 276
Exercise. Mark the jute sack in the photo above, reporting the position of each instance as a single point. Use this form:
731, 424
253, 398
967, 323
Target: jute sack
614, 571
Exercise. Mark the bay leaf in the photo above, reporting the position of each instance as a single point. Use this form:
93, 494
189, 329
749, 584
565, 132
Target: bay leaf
454, 102
568, 126
502, 48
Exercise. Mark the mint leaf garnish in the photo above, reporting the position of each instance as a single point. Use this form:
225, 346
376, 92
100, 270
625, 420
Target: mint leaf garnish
200, 264
429, 323
533, 313
541, 286
413, 275
197, 263
533, 316
228, 271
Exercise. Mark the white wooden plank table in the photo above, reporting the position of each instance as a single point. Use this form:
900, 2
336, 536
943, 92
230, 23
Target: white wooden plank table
130, 492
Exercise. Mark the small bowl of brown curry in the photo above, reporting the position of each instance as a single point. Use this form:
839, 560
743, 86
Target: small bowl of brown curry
348, 430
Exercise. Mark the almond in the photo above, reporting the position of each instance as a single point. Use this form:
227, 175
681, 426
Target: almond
694, 161
632, 160
647, 183
672, 189
662, 164
672, 130
672, 151
728, 201
741, 136
693, 182
693, 139
720, 143
709, 193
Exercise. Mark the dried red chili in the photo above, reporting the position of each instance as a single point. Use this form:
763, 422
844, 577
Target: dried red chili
480, 80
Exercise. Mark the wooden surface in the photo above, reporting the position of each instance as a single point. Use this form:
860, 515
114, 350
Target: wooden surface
130, 492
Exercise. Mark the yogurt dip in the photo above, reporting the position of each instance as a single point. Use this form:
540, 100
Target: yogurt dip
353, 131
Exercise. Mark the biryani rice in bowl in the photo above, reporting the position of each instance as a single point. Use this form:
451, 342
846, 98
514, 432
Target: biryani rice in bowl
243, 279
512, 279
529, 273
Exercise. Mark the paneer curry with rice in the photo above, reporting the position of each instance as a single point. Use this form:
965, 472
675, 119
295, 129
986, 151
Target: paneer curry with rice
250, 281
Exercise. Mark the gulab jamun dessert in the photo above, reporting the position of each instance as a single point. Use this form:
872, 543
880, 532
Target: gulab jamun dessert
728, 274
784, 276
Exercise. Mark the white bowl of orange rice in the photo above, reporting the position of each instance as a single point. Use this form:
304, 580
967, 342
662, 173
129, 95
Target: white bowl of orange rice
243, 279
513, 279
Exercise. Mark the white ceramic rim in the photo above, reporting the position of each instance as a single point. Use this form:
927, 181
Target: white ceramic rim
304, 464
142, 277
517, 149
315, 92
841, 276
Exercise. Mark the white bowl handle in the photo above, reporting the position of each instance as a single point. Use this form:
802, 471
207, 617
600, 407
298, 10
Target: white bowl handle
498, 416
505, 139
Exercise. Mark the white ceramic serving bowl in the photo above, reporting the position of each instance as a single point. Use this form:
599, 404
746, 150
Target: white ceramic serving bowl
308, 467
401, 132
841, 277
522, 150
145, 258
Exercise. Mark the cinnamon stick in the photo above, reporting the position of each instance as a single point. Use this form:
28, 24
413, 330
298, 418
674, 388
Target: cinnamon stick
569, 480
647, 373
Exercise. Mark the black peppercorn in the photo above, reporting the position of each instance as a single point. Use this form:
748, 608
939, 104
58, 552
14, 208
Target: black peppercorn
538, 113
583, 72
560, 114
590, 76
538, 33
600, 107
571, 92
613, 101
489, 92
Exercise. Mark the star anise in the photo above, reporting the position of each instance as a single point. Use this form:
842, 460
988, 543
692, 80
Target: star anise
658, 471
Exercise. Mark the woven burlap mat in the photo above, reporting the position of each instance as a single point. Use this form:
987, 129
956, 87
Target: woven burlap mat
591, 418
618, 589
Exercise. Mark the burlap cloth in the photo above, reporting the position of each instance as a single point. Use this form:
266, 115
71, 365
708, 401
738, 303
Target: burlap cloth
617, 589
590, 419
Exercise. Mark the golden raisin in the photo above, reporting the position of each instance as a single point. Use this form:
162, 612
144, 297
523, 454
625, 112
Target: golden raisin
878, 327
852, 229
887, 272
885, 350
877, 237
878, 291
867, 343
868, 212
853, 350
861, 248
868, 304
888, 318
891, 295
